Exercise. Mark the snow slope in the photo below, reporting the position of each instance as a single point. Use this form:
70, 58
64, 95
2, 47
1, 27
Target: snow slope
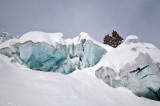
20, 86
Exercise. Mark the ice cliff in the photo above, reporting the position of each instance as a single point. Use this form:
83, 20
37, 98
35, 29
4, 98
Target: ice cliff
50, 52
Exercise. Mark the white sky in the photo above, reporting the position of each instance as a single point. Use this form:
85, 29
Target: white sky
96, 17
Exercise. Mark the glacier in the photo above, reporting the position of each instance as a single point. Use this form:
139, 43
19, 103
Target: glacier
58, 57
134, 65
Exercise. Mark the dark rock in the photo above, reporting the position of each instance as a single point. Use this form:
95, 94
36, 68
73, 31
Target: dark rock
113, 40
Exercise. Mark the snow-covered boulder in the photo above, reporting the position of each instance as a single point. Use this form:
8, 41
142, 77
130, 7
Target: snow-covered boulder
131, 39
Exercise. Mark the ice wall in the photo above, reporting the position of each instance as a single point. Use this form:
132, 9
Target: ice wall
58, 58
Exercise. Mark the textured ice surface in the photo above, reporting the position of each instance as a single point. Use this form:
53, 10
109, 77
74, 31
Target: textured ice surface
141, 76
41, 56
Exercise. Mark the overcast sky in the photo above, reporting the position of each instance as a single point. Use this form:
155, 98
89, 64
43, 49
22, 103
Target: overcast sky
96, 17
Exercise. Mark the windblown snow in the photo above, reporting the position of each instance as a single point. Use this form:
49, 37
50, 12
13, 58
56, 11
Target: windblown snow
131, 68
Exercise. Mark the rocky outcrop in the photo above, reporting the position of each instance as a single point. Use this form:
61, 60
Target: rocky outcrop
113, 40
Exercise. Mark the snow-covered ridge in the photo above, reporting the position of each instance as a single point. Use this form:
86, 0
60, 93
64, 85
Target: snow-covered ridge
36, 36
51, 39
